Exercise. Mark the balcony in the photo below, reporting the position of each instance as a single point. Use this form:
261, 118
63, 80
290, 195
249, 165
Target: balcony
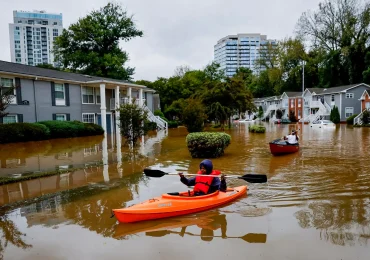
123, 101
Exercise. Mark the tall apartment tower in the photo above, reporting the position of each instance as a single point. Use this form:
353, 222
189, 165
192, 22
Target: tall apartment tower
32, 35
241, 50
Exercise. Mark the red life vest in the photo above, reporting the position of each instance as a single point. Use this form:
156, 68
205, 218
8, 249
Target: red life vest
203, 182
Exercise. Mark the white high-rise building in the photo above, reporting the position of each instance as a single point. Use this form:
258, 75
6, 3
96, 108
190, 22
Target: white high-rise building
32, 35
241, 50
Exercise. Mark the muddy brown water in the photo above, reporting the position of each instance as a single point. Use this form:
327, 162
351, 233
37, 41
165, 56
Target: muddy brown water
315, 205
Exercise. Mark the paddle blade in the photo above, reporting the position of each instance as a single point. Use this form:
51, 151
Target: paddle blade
154, 173
255, 238
254, 178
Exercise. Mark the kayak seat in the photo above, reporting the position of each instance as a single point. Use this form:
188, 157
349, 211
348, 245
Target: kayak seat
174, 193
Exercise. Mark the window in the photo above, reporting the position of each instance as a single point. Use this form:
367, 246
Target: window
88, 95
292, 103
349, 95
60, 95
349, 111
61, 117
367, 105
6, 84
299, 102
9, 119
88, 117
332, 98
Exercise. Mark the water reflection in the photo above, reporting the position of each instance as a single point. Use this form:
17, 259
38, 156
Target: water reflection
10, 235
206, 224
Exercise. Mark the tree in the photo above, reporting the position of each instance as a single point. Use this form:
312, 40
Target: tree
133, 122
292, 116
194, 115
334, 115
260, 112
279, 114
91, 46
6, 97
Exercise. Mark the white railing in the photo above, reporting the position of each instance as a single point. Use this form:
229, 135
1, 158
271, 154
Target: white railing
124, 100
327, 106
358, 119
162, 124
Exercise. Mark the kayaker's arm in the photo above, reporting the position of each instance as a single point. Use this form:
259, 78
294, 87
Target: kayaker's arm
186, 181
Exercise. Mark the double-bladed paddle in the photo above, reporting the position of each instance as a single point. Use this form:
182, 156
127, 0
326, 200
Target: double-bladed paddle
252, 178
250, 237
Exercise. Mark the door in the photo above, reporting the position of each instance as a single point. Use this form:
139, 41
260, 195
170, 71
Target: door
109, 122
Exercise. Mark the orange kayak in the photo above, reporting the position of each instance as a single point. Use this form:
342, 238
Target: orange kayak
175, 205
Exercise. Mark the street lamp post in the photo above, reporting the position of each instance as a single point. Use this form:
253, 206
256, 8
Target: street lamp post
303, 63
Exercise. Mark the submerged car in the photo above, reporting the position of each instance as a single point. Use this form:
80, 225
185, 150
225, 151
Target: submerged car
322, 124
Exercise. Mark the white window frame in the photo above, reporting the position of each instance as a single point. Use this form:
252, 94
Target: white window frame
10, 115
345, 111
367, 104
82, 95
60, 101
64, 116
14, 100
88, 114
299, 102
350, 95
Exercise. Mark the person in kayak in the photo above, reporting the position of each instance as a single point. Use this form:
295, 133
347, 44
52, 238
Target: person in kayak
202, 184
292, 138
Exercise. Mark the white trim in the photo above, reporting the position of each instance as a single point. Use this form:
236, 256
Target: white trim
82, 117
60, 101
82, 96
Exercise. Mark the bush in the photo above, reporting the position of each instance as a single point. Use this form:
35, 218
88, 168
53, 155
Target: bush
23, 132
350, 119
334, 115
151, 125
366, 117
207, 145
194, 115
256, 129
173, 124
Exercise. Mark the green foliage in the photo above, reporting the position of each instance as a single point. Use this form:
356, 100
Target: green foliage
151, 126
334, 115
292, 117
279, 114
173, 124
132, 121
67, 129
207, 145
256, 129
350, 119
366, 117
91, 45
194, 116
23, 132
260, 112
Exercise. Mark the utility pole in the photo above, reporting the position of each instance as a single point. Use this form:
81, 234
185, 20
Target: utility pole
303, 63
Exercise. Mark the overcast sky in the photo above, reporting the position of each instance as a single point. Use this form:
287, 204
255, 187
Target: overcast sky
175, 32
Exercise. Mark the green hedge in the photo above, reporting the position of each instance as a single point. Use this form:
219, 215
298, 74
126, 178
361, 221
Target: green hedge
350, 119
173, 124
24, 132
256, 129
207, 144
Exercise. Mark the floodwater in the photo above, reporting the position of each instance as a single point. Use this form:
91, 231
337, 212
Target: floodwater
315, 205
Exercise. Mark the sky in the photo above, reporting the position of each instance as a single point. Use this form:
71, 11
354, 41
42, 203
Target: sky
175, 33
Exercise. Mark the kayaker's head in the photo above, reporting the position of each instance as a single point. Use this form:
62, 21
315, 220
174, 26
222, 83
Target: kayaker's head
293, 132
207, 166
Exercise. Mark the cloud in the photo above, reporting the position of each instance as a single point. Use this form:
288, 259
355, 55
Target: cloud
175, 32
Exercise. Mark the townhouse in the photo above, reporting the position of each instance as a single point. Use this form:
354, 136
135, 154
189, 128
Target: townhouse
317, 103
45, 94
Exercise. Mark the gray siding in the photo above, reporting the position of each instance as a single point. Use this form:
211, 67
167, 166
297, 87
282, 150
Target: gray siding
95, 108
149, 100
28, 111
352, 102
44, 107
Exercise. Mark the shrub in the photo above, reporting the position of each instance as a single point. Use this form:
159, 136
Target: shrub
207, 145
151, 125
256, 129
350, 119
23, 132
173, 124
366, 117
334, 115
194, 115
67, 129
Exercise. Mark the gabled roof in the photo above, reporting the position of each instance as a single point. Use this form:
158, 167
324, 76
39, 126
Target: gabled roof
323, 91
366, 91
293, 94
27, 70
